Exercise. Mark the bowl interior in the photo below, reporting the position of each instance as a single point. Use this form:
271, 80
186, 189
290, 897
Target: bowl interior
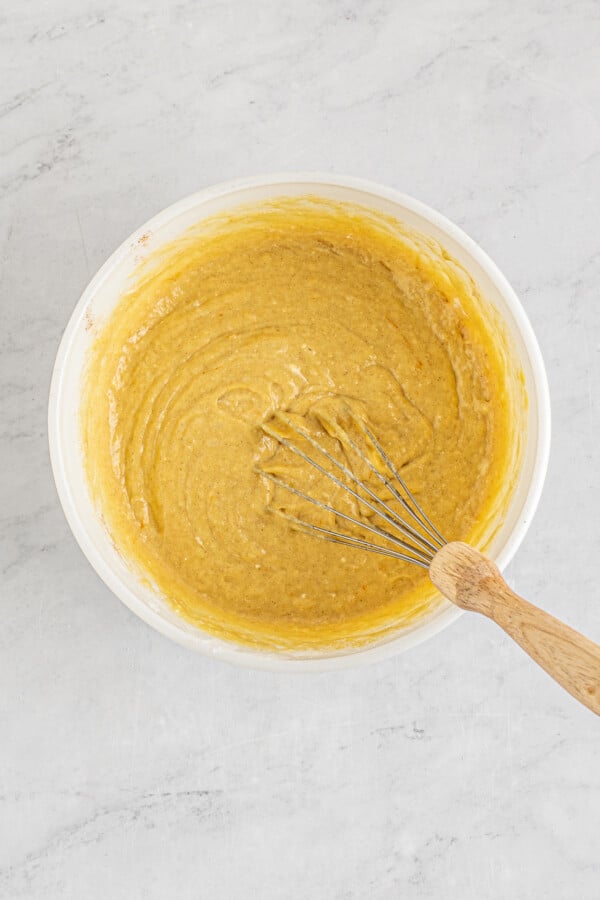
103, 293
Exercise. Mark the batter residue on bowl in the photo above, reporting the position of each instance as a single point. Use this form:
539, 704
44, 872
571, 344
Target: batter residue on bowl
295, 306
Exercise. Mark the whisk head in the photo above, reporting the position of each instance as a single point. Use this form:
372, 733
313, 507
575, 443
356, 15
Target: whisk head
382, 514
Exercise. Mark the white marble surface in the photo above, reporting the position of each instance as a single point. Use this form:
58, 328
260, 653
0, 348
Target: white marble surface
131, 768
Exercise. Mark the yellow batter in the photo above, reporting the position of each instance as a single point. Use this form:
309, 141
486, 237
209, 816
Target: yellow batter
302, 306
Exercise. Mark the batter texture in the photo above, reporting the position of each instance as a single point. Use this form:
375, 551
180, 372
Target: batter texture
311, 308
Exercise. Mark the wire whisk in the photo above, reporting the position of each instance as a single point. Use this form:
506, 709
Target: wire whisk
386, 518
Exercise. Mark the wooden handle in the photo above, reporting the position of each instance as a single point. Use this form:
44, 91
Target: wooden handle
473, 582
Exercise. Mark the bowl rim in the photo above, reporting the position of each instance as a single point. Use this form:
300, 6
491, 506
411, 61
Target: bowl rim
229, 651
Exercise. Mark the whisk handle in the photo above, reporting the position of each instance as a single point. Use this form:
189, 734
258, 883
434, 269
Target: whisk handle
473, 582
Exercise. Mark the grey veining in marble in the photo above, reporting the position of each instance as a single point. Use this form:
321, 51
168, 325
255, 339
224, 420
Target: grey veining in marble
131, 768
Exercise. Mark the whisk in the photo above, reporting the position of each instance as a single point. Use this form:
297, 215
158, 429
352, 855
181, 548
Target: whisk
385, 518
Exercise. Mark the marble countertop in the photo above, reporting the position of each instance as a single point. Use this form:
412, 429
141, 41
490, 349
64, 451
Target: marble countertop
132, 768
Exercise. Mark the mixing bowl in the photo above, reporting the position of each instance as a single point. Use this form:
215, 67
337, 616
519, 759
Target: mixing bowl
102, 294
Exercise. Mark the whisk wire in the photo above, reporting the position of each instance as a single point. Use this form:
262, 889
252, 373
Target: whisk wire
336, 537
418, 549
374, 529
415, 510
389, 516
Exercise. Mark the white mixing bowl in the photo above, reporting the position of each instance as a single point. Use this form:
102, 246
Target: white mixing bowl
101, 296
